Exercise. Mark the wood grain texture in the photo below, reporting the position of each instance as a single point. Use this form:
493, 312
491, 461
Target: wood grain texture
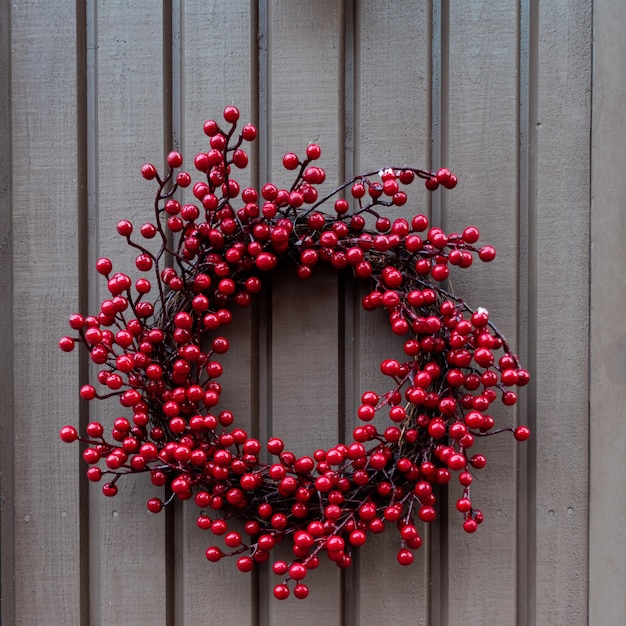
500, 92
391, 128
481, 131
607, 496
561, 154
304, 95
44, 200
7, 418
127, 542
215, 38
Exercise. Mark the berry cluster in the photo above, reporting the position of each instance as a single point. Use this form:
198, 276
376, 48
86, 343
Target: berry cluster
160, 355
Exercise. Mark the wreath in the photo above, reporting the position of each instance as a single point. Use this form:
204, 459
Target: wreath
157, 344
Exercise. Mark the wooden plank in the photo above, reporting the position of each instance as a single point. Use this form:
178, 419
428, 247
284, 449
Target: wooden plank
128, 543
45, 291
304, 59
215, 71
480, 119
561, 257
393, 51
607, 503
7, 419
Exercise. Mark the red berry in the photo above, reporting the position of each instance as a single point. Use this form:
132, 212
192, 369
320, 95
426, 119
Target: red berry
245, 564
405, 557
443, 175
406, 177
87, 392
509, 398
174, 159
104, 266
211, 128
231, 114
470, 525
478, 461
109, 490
471, 234
290, 161
183, 179
297, 571
521, 433
451, 182
487, 253
155, 505
427, 513
148, 171
456, 462
281, 592
68, 434
313, 151
213, 554
266, 261
275, 446
463, 505
66, 344
248, 132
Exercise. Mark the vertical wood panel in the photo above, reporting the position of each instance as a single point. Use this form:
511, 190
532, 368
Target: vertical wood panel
482, 144
7, 419
607, 496
304, 95
44, 236
561, 153
322, 66
215, 71
391, 128
128, 543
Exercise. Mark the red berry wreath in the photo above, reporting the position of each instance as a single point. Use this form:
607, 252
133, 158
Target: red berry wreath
160, 356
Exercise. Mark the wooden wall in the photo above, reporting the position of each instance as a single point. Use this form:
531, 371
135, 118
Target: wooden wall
502, 93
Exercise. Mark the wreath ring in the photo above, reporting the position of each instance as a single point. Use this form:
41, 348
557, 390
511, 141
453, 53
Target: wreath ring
160, 358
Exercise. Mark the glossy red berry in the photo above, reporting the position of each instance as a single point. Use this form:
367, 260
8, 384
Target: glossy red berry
313, 151
470, 525
104, 266
213, 554
68, 434
66, 344
155, 505
231, 114
109, 490
405, 557
291, 161
249, 132
148, 171
487, 253
174, 159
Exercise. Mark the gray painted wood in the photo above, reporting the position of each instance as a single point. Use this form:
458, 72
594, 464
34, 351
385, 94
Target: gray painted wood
481, 145
212, 38
607, 496
561, 316
304, 47
500, 94
394, 130
7, 458
127, 79
44, 235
